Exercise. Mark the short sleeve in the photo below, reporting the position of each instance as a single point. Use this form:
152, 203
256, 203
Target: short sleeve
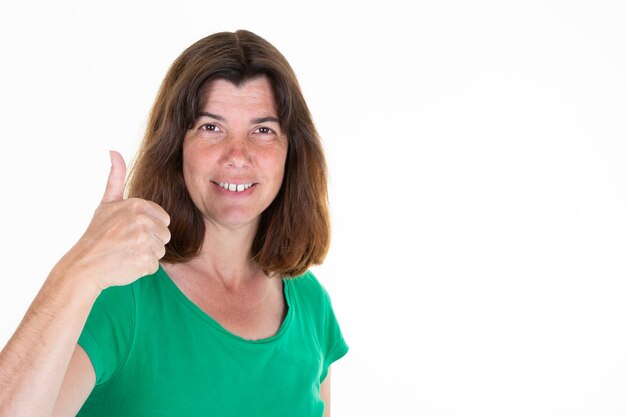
108, 333
335, 346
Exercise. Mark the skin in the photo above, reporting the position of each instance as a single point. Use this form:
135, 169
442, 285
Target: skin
235, 148
125, 240
236, 140
43, 371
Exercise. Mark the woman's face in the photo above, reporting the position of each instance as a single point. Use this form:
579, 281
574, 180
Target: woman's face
234, 154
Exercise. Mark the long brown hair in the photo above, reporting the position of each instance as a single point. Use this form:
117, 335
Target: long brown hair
294, 231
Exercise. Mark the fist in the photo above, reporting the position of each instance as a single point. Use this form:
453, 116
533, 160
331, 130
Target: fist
125, 239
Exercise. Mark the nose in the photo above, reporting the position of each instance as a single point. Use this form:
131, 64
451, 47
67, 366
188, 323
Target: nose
237, 152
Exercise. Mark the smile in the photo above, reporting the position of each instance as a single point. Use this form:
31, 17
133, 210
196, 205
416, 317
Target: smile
234, 187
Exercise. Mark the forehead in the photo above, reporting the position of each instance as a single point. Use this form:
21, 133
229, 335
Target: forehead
254, 94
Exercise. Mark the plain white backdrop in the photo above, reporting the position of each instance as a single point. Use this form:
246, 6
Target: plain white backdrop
477, 180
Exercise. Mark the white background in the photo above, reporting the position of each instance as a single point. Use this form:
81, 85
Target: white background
478, 185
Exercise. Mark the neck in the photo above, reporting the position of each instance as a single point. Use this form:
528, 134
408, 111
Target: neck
225, 256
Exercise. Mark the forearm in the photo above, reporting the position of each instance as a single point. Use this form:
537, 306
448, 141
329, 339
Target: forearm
34, 361
124, 241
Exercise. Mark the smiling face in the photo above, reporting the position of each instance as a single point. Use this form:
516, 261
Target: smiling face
234, 154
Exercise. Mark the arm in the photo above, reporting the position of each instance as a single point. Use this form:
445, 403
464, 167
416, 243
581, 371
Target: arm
325, 394
124, 241
34, 361
78, 383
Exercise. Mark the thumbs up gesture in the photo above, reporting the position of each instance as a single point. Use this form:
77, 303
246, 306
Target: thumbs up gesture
115, 184
124, 241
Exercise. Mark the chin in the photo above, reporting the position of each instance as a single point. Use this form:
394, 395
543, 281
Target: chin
236, 220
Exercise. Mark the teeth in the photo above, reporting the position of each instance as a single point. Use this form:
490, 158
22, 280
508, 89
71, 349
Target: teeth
235, 187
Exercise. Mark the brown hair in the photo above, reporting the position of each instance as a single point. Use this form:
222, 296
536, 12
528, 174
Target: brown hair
294, 231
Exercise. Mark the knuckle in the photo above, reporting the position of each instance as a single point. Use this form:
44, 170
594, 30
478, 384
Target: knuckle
137, 204
137, 240
142, 240
162, 251
153, 266
168, 219
147, 223
148, 262
157, 209
145, 257
141, 222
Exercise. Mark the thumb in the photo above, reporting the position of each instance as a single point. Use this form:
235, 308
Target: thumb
115, 184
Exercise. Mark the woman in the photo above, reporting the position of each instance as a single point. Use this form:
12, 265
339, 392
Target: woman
229, 192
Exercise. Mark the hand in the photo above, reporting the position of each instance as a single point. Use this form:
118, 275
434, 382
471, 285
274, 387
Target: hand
124, 241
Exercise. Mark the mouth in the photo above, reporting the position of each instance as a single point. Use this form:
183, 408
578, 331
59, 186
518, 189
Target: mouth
234, 187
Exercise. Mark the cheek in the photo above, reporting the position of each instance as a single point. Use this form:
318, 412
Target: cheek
191, 174
187, 170
278, 166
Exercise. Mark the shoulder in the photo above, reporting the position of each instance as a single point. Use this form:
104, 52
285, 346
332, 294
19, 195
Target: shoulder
122, 300
307, 290
108, 334
318, 313
115, 298
308, 284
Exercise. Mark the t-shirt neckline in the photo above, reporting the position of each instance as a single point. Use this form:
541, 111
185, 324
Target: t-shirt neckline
214, 323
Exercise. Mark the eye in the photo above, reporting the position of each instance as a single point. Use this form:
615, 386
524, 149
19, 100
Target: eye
265, 130
209, 127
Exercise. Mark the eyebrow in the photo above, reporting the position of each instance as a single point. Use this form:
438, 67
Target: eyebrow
258, 120
211, 115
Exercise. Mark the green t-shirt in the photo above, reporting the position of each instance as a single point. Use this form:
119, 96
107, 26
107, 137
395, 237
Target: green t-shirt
156, 353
